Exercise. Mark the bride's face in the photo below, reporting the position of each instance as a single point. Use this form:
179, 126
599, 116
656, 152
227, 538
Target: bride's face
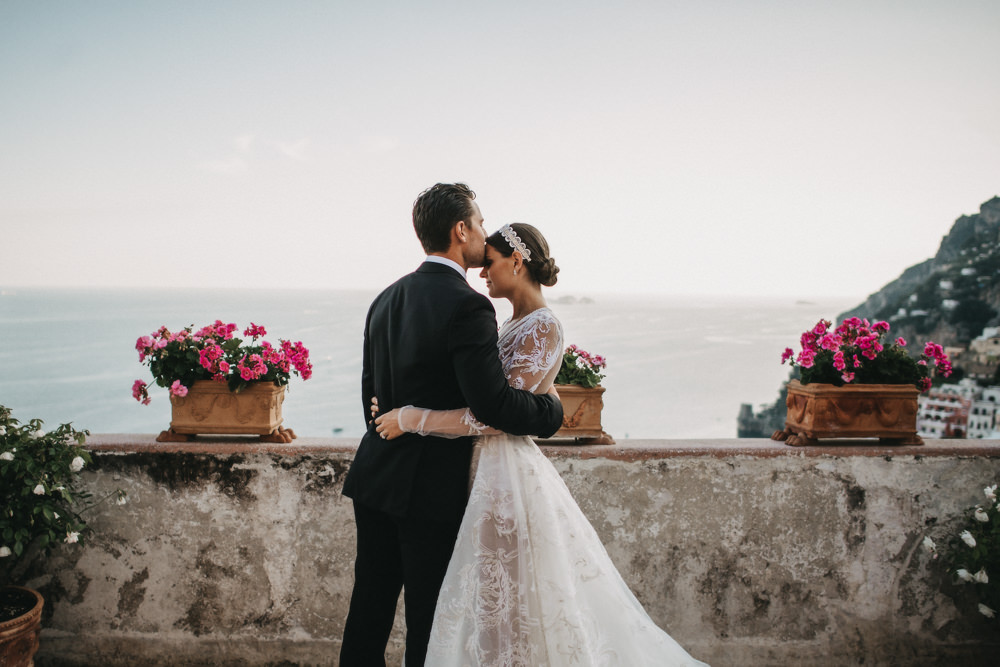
498, 271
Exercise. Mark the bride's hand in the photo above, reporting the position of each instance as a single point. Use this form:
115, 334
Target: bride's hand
387, 425
374, 407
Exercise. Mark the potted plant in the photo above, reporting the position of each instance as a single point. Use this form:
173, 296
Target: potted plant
857, 382
972, 554
41, 507
581, 393
221, 384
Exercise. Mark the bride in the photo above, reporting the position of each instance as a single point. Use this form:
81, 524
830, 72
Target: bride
529, 582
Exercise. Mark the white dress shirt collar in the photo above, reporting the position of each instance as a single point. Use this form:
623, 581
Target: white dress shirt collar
437, 259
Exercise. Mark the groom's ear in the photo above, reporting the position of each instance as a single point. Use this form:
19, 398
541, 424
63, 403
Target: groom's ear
459, 232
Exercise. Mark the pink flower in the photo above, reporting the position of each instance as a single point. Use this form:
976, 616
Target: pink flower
143, 344
298, 355
925, 384
252, 367
255, 331
901, 341
223, 366
140, 392
787, 354
838, 361
806, 358
177, 389
857, 362
831, 342
881, 327
847, 376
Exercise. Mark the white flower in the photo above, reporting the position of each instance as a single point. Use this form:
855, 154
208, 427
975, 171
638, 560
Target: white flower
55, 514
929, 545
72, 537
6, 456
39, 490
986, 611
963, 574
39, 433
991, 493
981, 516
4, 552
3, 430
122, 499
967, 538
76, 465
981, 577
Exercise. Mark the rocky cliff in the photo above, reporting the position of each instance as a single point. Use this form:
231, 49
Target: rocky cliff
947, 299
952, 296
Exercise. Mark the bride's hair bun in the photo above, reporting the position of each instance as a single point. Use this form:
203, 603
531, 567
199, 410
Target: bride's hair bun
546, 272
541, 267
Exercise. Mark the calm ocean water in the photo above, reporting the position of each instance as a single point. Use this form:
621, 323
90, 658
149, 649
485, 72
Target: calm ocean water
678, 367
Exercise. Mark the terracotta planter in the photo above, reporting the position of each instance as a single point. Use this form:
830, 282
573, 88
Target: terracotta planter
211, 409
19, 636
582, 414
884, 411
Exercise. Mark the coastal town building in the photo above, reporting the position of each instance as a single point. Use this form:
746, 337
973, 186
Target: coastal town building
962, 410
943, 412
986, 347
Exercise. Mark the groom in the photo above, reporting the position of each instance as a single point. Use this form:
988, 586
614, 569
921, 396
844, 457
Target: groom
431, 342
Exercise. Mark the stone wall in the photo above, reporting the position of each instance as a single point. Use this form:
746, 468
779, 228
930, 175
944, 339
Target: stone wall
748, 552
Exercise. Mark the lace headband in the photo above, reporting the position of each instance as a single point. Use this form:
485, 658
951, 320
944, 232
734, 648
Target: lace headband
515, 242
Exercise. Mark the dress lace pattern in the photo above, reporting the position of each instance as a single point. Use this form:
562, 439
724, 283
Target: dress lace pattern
529, 583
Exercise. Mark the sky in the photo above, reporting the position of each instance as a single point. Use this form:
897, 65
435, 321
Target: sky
790, 149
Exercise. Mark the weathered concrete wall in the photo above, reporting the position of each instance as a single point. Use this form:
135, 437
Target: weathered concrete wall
747, 552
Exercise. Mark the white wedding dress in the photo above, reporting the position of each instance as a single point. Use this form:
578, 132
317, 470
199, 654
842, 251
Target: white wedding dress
529, 583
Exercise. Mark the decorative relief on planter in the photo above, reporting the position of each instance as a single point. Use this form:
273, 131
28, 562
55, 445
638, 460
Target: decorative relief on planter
884, 411
211, 409
582, 414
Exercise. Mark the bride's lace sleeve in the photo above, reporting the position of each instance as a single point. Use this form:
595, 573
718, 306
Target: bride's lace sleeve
531, 351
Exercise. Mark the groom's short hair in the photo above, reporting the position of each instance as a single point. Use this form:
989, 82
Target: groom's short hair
437, 210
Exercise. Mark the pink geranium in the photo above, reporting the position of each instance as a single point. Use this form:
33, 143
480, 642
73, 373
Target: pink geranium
140, 392
838, 360
873, 357
255, 331
178, 359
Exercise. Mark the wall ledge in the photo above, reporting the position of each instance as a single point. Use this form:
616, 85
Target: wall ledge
624, 450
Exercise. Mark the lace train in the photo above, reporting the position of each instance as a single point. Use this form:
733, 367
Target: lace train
530, 584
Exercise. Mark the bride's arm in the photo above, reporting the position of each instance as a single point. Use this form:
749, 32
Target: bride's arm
535, 364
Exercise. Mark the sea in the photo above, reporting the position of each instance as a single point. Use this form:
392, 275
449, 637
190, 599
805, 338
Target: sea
678, 367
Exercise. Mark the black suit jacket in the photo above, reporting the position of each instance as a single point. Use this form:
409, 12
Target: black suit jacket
431, 341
